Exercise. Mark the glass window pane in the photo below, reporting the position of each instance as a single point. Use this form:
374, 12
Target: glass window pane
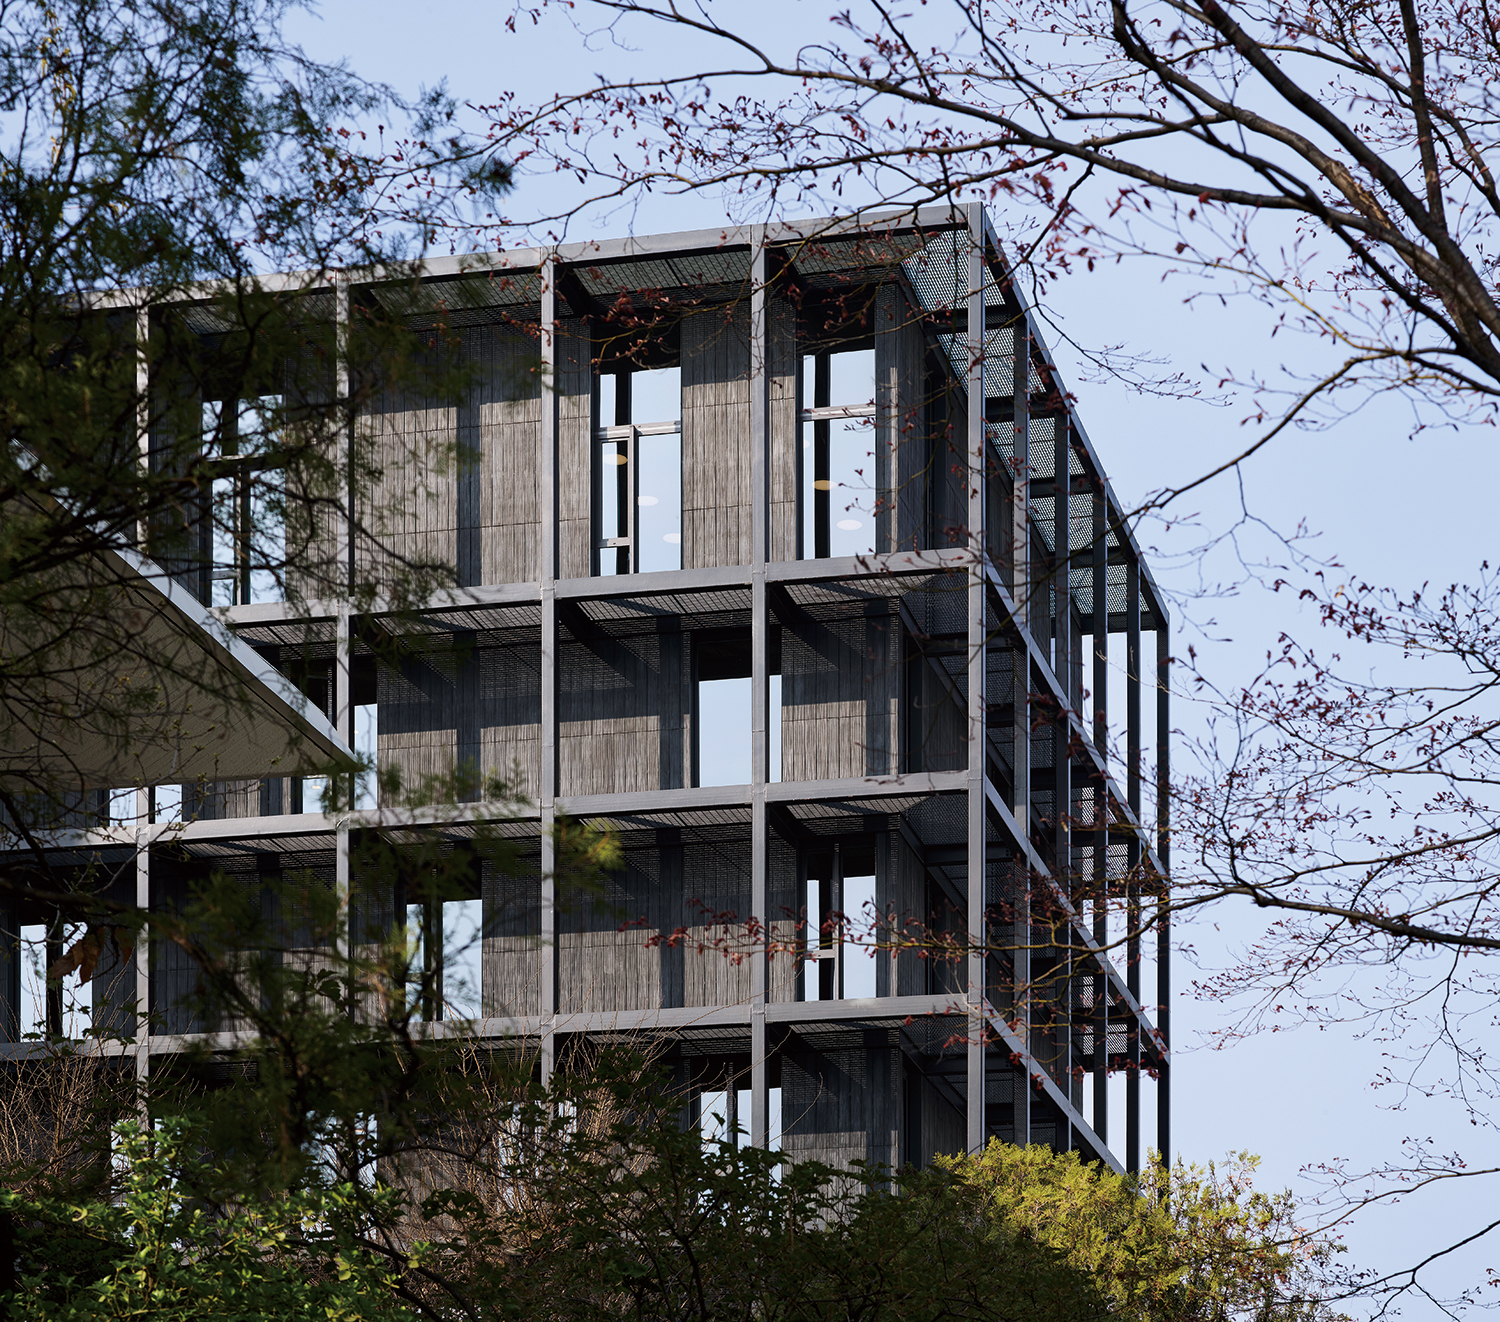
606, 414
367, 745
259, 420
859, 915
851, 377
267, 536
415, 958
612, 460
809, 482
713, 1116
461, 958
213, 435
773, 720
658, 520
313, 790
32, 1012
656, 396
724, 731
851, 446
119, 807
167, 804
225, 519
33, 955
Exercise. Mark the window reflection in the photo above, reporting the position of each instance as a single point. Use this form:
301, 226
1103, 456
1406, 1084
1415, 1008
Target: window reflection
638, 471
839, 487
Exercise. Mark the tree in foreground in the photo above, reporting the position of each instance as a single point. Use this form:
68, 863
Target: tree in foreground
595, 1200
177, 382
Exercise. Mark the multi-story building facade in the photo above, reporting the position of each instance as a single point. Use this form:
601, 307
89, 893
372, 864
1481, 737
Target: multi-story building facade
782, 551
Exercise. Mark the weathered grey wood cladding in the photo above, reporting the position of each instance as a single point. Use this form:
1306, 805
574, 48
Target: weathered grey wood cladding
785, 469
902, 455
716, 437
842, 1103
575, 447
504, 417
462, 701
873, 673
840, 696
624, 712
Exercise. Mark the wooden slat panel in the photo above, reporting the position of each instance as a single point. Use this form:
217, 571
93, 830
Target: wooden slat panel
511, 960
484, 705
947, 481
510, 714
907, 904
786, 432
606, 961
574, 449
941, 1124
716, 883
716, 437
840, 694
506, 413
623, 713
936, 724
312, 533
410, 506
842, 1105
900, 437
784, 903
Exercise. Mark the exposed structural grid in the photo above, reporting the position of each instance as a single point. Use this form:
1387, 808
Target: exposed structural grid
782, 551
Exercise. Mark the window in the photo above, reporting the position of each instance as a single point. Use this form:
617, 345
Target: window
117, 807
367, 745
443, 975
245, 533
462, 950
638, 472
724, 1116
166, 804
839, 488
721, 711
308, 794
841, 925
48, 1006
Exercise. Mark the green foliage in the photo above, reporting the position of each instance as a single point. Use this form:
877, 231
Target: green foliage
159, 1252
642, 1219
491, 1198
1181, 1245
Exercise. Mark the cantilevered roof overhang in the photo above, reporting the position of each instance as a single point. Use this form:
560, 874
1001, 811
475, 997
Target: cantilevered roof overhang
155, 690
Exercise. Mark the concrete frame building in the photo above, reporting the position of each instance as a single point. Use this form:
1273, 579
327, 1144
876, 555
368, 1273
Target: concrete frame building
904, 621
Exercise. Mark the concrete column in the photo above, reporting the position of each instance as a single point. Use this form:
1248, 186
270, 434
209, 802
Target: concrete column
143, 964
1099, 592
1062, 779
1023, 586
143, 408
977, 640
760, 652
343, 409
547, 789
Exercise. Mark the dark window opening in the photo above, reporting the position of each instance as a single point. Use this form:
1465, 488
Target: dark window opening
841, 924
721, 708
